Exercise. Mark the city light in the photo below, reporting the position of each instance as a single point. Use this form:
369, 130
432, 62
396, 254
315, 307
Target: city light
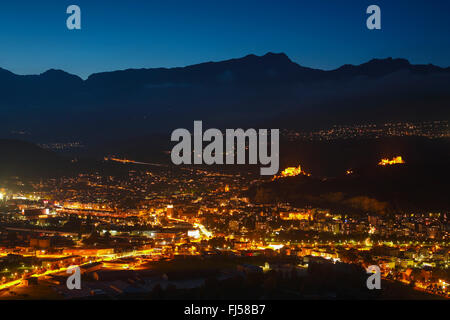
395, 160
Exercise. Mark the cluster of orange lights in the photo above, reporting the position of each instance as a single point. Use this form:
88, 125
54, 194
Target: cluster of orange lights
291, 172
395, 160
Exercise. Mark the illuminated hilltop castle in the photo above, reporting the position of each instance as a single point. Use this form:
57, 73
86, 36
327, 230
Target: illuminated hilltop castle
291, 172
395, 160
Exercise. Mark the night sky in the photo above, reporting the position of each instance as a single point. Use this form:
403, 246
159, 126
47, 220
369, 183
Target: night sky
136, 33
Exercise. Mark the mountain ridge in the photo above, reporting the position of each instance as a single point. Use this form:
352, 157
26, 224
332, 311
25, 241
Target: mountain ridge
270, 56
253, 91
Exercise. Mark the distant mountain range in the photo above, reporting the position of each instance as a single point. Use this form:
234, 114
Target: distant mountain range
253, 91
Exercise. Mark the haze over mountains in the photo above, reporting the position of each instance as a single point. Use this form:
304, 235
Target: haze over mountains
253, 91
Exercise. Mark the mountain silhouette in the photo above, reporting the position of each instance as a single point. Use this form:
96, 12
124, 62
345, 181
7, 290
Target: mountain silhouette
253, 91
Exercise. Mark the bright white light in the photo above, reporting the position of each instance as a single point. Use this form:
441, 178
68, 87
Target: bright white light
194, 234
276, 246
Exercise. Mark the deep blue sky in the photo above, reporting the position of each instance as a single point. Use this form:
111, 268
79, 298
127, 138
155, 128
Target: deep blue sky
144, 33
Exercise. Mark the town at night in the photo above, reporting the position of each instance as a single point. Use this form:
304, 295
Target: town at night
221, 159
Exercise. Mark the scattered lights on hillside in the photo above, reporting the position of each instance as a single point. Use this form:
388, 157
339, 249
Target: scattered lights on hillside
395, 160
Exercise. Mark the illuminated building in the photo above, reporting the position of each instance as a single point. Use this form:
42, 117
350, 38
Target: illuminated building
395, 160
295, 215
193, 234
291, 172
170, 210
